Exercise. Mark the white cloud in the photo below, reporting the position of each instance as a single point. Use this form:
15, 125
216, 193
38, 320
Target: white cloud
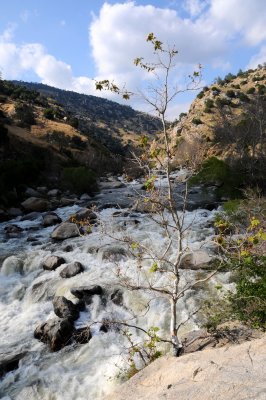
62, 23
24, 16
195, 7
117, 35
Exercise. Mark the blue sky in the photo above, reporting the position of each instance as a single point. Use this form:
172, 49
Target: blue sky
65, 43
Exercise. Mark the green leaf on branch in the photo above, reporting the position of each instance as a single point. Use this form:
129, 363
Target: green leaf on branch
154, 267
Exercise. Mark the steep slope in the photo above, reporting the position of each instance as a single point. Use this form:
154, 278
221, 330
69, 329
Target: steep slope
228, 120
226, 373
114, 125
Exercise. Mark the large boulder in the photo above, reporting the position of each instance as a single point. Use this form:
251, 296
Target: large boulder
53, 193
12, 265
72, 270
32, 192
55, 332
31, 216
51, 219
65, 309
65, 230
53, 262
35, 204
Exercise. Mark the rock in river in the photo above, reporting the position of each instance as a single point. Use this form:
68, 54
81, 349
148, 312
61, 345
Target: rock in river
65, 230
55, 332
65, 309
35, 204
72, 270
51, 219
53, 262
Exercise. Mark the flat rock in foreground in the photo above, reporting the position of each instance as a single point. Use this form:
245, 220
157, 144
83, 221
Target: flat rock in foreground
236, 372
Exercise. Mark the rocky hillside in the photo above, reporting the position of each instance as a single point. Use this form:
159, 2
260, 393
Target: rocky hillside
116, 126
227, 119
225, 373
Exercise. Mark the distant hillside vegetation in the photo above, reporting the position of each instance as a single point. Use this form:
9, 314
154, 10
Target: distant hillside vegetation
228, 120
116, 126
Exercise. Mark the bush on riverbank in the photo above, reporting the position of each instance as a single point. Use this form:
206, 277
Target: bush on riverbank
79, 179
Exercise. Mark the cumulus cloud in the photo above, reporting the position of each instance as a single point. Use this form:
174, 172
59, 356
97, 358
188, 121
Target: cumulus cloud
214, 30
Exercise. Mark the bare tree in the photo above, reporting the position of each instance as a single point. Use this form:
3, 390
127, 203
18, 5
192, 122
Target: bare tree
159, 271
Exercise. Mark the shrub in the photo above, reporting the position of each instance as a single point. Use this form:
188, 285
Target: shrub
79, 179
215, 171
243, 97
196, 121
216, 89
229, 77
181, 115
251, 90
48, 113
209, 103
73, 121
25, 114
230, 93
222, 101
200, 95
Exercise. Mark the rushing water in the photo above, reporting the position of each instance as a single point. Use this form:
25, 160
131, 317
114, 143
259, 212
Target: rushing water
80, 371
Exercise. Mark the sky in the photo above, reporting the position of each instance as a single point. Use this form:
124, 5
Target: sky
68, 44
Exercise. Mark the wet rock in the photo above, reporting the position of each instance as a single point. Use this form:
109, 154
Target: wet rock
68, 248
65, 309
42, 189
53, 262
13, 230
32, 239
84, 214
72, 270
86, 292
51, 219
66, 201
199, 259
117, 297
14, 212
111, 185
65, 230
113, 253
10, 363
55, 332
53, 193
31, 216
35, 204
85, 197
12, 265
82, 335
32, 193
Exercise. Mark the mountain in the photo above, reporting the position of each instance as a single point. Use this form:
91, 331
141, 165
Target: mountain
116, 126
227, 120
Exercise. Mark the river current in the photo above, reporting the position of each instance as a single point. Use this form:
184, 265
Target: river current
87, 371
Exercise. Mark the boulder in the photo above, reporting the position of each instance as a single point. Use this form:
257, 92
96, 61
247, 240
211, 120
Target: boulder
111, 185
117, 297
32, 192
72, 270
13, 230
86, 292
85, 197
55, 332
35, 204
114, 253
82, 335
53, 193
84, 214
65, 309
53, 262
12, 265
51, 219
42, 189
66, 201
65, 230
10, 362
